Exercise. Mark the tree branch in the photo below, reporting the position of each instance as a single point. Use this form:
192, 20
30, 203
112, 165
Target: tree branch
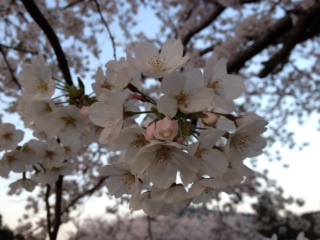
57, 208
72, 4
206, 22
108, 29
18, 49
306, 27
48, 211
52, 37
149, 219
271, 36
86, 193
14, 79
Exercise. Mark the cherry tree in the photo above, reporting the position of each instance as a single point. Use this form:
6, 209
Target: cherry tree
182, 132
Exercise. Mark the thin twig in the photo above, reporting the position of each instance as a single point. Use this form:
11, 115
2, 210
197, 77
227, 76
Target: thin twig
14, 79
149, 219
72, 4
48, 210
86, 193
19, 49
108, 29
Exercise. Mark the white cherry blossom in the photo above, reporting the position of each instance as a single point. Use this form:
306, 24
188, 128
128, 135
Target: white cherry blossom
203, 190
212, 161
11, 161
247, 140
149, 206
25, 183
160, 162
107, 113
50, 154
131, 139
185, 92
36, 79
9, 136
151, 63
120, 179
225, 87
50, 176
71, 124
118, 75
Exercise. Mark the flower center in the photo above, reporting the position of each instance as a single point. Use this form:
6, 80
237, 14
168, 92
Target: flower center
163, 156
9, 159
128, 179
47, 108
7, 136
69, 121
49, 154
208, 190
184, 98
241, 142
199, 155
157, 63
217, 84
42, 86
139, 142
107, 85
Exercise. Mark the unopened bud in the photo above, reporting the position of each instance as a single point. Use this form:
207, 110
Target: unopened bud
139, 97
211, 119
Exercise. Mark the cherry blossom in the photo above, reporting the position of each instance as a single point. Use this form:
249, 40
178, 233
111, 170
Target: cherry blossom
247, 140
185, 92
37, 80
161, 161
180, 144
9, 136
226, 87
121, 180
151, 63
107, 113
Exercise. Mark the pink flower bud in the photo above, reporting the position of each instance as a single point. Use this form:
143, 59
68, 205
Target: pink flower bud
211, 119
85, 113
138, 97
180, 140
150, 131
166, 129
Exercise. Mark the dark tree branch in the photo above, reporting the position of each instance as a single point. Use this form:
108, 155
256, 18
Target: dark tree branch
108, 29
306, 27
271, 36
72, 4
48, 210
14, 79
52, 37
18, 49
283, 31
206, 50
149, 219
86, 193
206, 22
57, 208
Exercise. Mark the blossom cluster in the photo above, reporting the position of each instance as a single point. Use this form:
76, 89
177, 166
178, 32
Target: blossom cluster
181, 145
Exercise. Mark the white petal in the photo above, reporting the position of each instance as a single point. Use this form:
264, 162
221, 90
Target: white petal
167, 105
173, 83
